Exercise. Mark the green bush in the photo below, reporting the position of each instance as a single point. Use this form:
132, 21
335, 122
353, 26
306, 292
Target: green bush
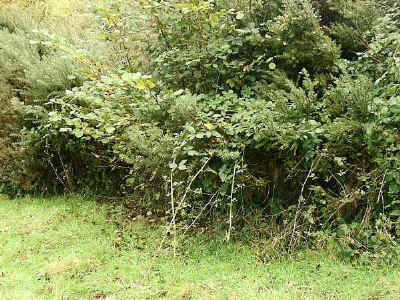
35, 65
210, 47
282, 110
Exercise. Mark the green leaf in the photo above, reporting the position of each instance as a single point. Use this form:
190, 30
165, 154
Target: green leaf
190, 129
65, 129
395, 213
130, 181
182, 165
216, 134
192, 153
395, 108
231, 83
76, 122
110, 129
200, 135
272, 66
78, 133
172, 165
240, 15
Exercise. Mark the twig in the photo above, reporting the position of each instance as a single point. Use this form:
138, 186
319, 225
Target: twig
64, 169
160, 28
54, 169
201, 212
177, 207
294, 168
341, 185
228, 236
173, 209
381, 192
191, 182
301, 199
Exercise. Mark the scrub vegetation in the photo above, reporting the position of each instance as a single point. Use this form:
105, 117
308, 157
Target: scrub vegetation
269, 122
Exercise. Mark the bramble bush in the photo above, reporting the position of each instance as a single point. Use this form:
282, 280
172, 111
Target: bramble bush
274, 114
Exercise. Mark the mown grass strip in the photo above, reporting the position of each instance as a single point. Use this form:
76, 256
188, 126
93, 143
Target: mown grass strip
76, 248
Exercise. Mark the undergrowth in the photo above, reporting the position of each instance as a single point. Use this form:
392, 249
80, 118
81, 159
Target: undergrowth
276, 115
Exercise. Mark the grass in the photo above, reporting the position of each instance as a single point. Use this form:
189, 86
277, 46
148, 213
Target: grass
77, 248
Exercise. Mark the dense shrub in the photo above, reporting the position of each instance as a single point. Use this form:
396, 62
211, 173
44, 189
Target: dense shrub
209, 47
283, 110
35, 65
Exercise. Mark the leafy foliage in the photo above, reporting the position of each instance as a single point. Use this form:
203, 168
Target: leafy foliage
274, 108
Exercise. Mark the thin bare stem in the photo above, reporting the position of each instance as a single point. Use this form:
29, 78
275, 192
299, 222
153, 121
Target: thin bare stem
300, 202
201, 212
173, 209
381, 192
228, 236
55, 170
191, 182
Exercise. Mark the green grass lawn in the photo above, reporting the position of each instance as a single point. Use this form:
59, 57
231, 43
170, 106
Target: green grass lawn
74, 248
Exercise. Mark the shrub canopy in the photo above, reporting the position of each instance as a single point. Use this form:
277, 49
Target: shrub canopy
289, 109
